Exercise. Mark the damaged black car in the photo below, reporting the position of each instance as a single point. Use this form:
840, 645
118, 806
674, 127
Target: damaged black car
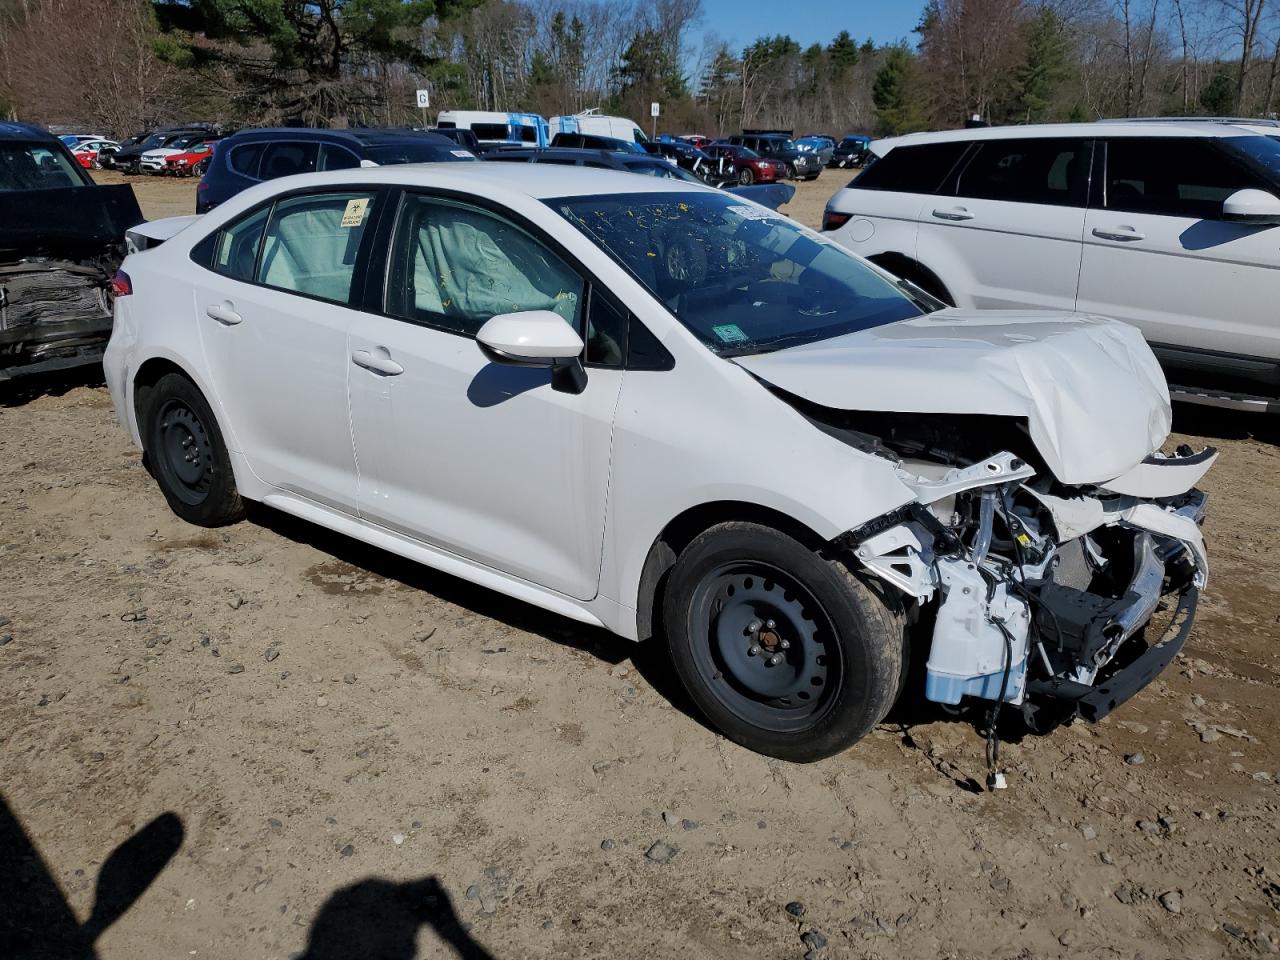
61, 239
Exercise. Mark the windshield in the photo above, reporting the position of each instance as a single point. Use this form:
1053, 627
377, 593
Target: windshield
778, 146
33, 166
387, 153
741, 278
1261, 153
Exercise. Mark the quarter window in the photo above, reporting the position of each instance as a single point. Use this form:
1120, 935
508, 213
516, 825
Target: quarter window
236, 252
454, 266
1174, 177
244, 160
312, 243
337, 158
1029, 171
919, 169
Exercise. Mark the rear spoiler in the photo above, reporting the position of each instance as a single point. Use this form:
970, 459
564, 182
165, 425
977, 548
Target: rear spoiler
152, 233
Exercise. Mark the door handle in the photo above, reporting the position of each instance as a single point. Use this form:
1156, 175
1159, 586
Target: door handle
224, 313
954, 213
1123, 234
377, 362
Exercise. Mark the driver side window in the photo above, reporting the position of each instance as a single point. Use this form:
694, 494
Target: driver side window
455, 266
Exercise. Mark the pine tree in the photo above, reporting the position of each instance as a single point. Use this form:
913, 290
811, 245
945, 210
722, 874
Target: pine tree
1038, 80
894, 95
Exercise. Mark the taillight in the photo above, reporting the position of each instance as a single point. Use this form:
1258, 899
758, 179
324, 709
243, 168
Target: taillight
834, 221
121, 285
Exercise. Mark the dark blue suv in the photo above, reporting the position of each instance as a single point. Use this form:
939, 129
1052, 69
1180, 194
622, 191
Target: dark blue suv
251, 156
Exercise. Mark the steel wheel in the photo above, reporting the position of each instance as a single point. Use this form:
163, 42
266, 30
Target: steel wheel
184, 452
766, 654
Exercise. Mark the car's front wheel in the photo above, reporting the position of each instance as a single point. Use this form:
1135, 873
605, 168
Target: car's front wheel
784, 651
187, 455
746, 177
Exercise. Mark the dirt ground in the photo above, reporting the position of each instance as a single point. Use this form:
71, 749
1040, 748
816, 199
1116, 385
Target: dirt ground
369, 759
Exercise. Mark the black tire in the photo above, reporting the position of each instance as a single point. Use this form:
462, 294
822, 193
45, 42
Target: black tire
820, 677
746, 177
186, 454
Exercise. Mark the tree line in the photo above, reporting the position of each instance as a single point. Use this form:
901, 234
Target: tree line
122, 65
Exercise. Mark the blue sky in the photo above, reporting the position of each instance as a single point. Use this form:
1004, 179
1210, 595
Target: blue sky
738, 22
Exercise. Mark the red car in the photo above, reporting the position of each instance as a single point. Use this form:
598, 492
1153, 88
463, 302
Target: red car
191, 162
697, 139
88, 153
748, 166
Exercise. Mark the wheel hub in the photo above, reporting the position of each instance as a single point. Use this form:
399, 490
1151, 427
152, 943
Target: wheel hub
767, 642
185, 447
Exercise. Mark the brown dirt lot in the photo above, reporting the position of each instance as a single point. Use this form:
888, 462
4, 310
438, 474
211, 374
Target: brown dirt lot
340, 731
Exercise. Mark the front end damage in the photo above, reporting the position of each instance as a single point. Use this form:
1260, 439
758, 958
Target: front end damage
1038, 594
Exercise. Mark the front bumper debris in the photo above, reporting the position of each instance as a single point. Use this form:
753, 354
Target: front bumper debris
1040, 591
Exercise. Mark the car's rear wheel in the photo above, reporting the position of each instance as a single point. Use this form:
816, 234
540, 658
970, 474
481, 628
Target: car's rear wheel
785, 652
746, 177
187, 455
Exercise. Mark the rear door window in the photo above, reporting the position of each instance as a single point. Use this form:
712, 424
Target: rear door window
1051, 171
912, 169
312, 242
1173, 177
286, 159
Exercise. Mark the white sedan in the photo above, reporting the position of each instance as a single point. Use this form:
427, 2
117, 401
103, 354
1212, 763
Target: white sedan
662, 409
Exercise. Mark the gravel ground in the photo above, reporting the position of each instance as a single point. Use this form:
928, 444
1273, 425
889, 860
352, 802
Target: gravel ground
370, 759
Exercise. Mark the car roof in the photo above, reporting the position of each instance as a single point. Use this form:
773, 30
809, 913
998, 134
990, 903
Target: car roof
1098, 128
360, 137
24, 131
540, 181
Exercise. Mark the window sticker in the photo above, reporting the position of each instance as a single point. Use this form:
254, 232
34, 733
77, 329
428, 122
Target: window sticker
353, 216
729, 333
753, 213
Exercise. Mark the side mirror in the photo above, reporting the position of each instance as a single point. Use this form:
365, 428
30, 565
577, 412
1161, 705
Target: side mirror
1256, 207
536, 338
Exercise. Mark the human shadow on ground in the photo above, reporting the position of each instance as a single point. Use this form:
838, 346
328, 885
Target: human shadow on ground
378, 919
37, 922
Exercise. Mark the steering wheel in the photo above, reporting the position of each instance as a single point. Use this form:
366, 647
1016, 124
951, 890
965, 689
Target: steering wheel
685, 260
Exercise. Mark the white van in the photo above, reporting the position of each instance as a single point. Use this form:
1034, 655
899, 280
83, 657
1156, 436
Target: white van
1172, 227
595, 123
494, 127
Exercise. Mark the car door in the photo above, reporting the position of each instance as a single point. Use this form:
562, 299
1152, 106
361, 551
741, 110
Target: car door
1158, 254
273, 312
1008, 234
487, 461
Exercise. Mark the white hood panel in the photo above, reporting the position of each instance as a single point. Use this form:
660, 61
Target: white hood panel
1090, 389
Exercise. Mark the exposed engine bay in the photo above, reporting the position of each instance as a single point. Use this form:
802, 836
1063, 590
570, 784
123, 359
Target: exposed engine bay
1035, 591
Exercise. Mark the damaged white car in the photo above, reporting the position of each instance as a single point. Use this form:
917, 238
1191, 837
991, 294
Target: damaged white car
667, 411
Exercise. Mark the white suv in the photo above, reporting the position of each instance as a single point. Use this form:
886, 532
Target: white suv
1173, 227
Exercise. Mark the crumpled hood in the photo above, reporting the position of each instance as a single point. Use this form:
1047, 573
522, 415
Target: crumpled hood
1091, 391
